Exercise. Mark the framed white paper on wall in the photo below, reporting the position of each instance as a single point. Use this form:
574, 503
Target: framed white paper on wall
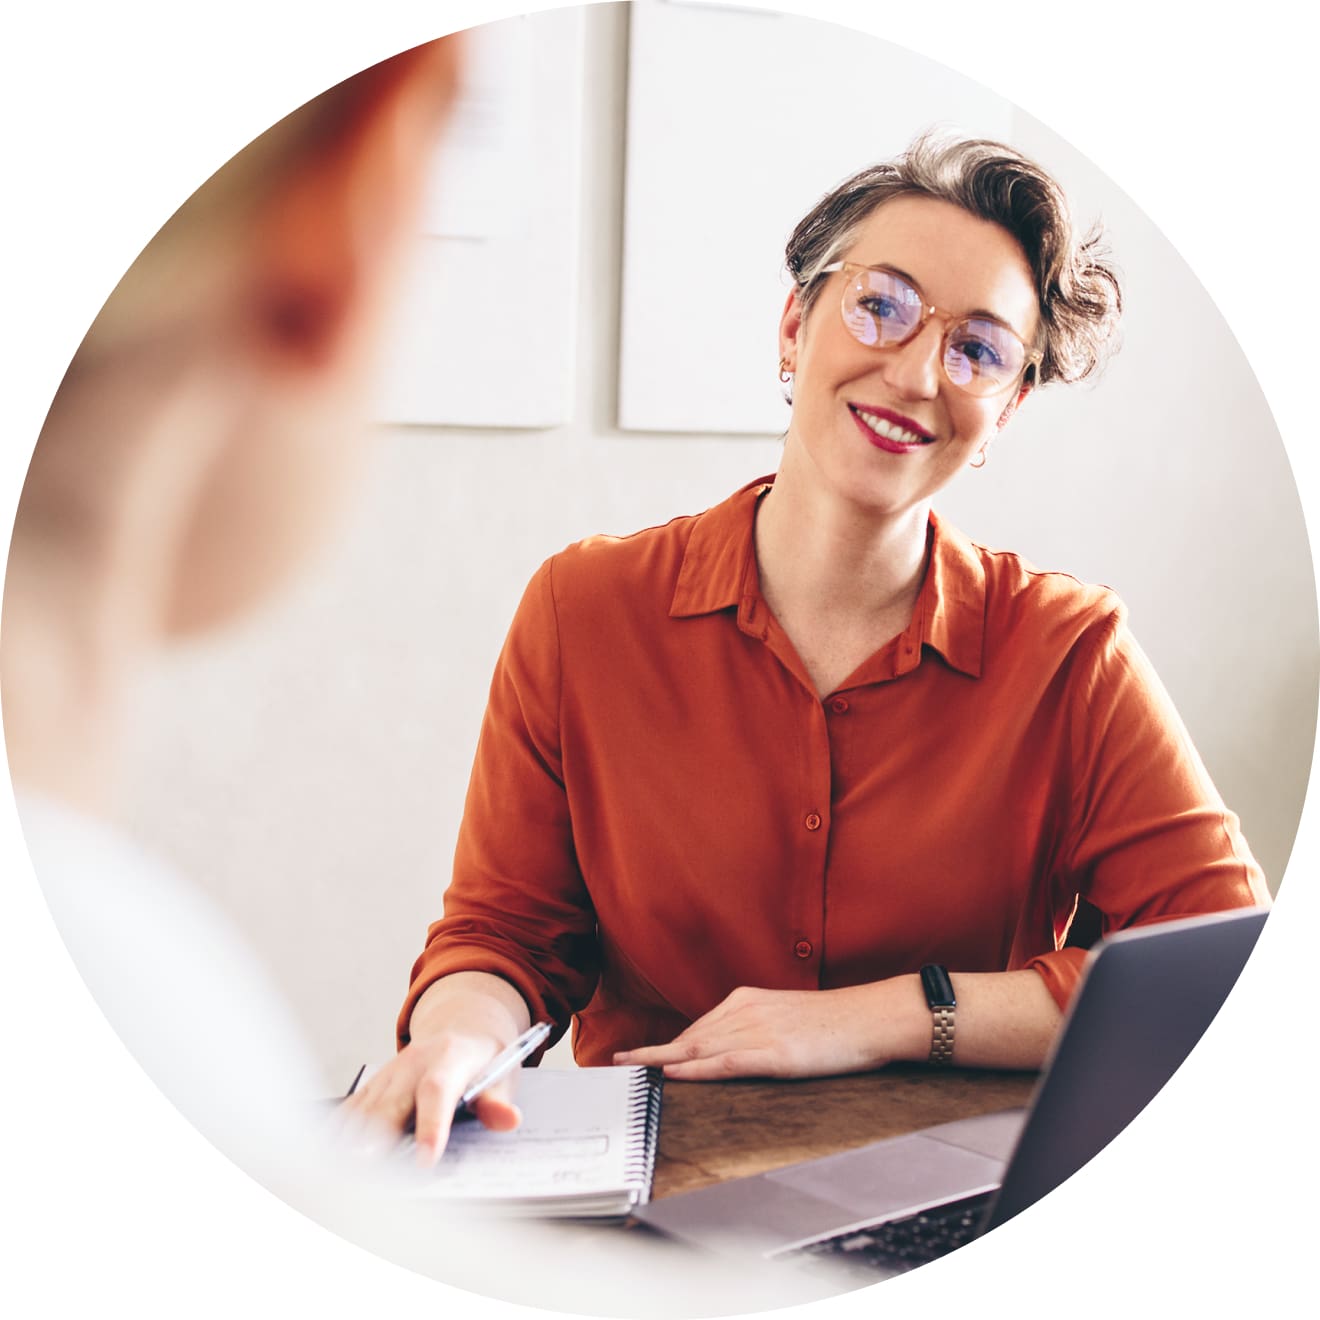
737, 121
485, 335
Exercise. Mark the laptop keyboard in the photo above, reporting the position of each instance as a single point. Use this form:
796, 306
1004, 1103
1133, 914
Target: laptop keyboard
901, 1244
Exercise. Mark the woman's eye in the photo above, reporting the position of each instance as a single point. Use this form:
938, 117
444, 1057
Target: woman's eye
883, 309
980, 354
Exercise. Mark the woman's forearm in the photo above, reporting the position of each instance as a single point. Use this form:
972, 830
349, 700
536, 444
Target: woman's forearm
1002, 1019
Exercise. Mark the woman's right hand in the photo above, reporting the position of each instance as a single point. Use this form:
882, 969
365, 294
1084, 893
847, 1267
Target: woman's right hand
457, 1027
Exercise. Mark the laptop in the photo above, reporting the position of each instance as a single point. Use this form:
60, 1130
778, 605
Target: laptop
1146, 997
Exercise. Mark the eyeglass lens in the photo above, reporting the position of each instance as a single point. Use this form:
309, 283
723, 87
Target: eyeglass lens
881, 310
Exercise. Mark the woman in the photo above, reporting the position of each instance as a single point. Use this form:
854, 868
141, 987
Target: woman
743, 777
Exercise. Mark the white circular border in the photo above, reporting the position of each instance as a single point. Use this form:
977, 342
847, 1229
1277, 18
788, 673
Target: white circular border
115, 113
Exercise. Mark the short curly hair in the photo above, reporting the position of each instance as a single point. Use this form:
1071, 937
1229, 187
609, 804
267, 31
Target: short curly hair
1077, 288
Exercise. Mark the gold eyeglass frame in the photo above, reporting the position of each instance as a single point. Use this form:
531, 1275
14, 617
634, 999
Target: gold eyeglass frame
1031, 358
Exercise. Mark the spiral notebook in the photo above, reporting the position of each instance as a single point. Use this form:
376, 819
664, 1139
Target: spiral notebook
585, 1148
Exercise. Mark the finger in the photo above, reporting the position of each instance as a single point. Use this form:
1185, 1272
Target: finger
359, 1097
696, 1038
495, 1107
390, 1100
436, 1099
652, 1056
372, 1086
363, 1137
361, 1105
357, 1131
725, 1064
697, 1042
497, 1114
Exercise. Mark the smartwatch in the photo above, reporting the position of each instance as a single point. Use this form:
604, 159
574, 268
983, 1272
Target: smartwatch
939, 996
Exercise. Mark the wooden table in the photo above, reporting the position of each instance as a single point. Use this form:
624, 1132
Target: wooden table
712, 1131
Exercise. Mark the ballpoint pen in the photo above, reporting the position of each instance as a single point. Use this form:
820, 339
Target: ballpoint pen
504, 1062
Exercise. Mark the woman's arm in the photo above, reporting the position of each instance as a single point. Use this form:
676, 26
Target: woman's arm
516, 906
1004, 1020
517, 941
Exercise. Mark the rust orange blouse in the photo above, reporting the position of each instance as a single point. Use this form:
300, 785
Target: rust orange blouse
663, 809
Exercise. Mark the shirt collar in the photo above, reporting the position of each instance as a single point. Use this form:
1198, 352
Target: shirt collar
951, 606
719, 565
719, 572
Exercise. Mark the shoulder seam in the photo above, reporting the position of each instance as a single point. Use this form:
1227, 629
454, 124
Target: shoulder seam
632, 536
1031, 571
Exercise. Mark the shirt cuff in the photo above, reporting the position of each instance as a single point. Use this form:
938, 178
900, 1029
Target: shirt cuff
1061, 971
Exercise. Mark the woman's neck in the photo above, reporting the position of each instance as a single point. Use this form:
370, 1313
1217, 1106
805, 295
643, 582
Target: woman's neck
840, 580
819, 555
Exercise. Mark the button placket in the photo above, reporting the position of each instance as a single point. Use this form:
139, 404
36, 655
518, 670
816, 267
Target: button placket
805, 931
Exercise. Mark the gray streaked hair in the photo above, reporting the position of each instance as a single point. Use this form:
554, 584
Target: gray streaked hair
1077, 289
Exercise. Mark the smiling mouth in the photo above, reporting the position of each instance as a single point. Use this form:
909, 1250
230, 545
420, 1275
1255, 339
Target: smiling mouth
887, 432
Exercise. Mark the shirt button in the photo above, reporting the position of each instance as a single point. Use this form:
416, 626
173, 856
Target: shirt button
839, 705
812, 822
802, 948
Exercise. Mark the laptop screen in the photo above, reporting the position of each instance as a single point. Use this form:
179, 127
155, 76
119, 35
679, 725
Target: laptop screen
1147, 997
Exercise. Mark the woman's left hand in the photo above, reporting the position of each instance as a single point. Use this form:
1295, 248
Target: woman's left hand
785, 1033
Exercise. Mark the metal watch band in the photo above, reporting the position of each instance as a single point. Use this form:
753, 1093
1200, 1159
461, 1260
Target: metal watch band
941, 1039
942, 1002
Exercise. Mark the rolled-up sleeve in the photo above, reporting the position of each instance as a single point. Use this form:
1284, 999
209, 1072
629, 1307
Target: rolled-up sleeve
1148, 838
517, 906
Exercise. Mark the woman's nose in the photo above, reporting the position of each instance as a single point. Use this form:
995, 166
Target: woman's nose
914, 367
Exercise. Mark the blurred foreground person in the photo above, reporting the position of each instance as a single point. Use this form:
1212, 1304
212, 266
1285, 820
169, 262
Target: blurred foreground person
200, 444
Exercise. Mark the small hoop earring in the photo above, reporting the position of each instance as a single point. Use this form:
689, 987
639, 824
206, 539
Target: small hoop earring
786, 380
980, 454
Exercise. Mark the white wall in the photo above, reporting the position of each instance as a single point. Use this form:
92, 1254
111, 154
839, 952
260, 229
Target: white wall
310, 770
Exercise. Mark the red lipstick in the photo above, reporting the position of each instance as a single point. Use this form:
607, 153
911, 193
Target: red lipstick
889, 443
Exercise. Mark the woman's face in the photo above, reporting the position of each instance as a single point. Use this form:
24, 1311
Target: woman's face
961, 264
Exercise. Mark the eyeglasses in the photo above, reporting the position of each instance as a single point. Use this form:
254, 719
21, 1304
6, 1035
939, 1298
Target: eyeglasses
883, 310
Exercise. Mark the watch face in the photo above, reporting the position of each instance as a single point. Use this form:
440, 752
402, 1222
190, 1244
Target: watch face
939, 989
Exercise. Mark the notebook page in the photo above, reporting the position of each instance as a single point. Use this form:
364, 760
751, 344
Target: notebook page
573, 1140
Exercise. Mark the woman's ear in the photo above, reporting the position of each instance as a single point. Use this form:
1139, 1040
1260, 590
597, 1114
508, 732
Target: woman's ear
790, 331
327, 234
1006, 416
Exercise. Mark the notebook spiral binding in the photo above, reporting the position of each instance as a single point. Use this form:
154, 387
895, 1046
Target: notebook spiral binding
644, 1095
